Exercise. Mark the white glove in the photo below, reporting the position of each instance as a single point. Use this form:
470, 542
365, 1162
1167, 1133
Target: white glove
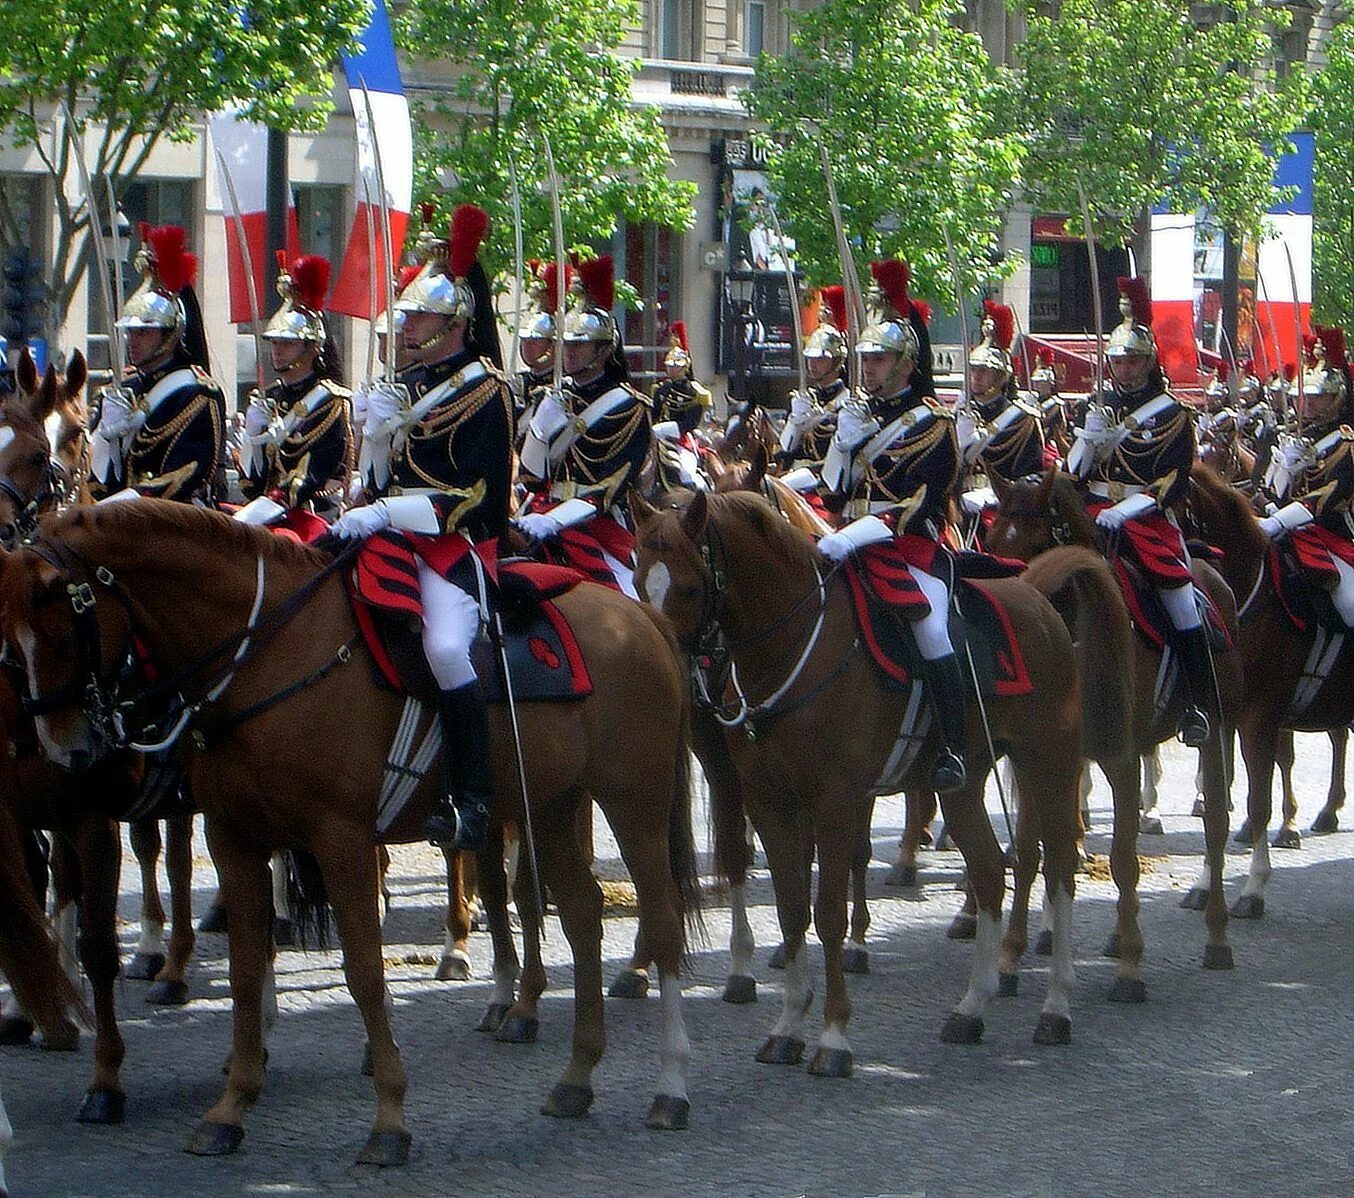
358, 523
539, 526
1290, 459
801, 409
976, 501
118, 414
667, 430
387, 404
360, 393
1285, 520
1097, 422
972, 435
800, 479
868, 530
1114, 518
258, 415
552, 415
854, 426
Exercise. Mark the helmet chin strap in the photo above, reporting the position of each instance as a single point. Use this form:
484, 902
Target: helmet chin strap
889, 387
596, 363
169, 338
433, 338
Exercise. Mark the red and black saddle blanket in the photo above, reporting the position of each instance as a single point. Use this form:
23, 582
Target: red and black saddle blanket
544, 657
887, 600
1302, 569
582, 547
1150, 618
1153, 542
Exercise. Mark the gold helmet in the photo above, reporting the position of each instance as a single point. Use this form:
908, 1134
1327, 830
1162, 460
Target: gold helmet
997, 331
889, 326
302, 287
440, 285
381, 326
543, 290
1134, 334
594, 291
1326, 353
679, 350
1044, 371
828, 338
166, 269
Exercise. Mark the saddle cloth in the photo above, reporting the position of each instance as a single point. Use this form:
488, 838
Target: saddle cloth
544, 657
1149, 617
580, 548
887, 599
1303, 574
1153, 542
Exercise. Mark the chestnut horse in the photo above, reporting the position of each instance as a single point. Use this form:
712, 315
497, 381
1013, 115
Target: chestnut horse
179, 580
1034, 518
807, 765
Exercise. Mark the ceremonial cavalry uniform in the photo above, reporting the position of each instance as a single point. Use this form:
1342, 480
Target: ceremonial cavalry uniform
1138, 457
892, 464
1052, 413
680, 404
298, 437
807, 434
586, 446
1318, 469
536, 338
159, 431
437, 450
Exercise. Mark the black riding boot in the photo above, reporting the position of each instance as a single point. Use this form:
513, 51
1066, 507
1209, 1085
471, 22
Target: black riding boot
945, 681
461, 818
1196, 668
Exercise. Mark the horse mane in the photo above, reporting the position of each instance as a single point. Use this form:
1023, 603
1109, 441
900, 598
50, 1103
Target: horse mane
1230, 507
1068, 504
752, 509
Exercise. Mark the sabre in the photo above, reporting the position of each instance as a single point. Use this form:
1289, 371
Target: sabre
1273, 327
251, 285
389, 364
561, 282
1297, 322
116, 238
373, 296
1095, 292
519, 267
963, 307
855, 310
115, 355
793, 292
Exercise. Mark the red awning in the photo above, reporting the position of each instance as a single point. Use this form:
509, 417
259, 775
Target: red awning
1050, 228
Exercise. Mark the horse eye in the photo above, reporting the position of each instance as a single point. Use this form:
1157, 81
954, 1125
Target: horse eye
38, 461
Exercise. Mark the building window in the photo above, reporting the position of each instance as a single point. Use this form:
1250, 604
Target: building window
670, 30
754, 30
20, 204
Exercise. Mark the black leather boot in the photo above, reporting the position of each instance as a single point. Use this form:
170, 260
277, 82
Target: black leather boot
461, 818
1196, 668
945, 681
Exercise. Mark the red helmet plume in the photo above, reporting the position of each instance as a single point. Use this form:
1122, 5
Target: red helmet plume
469, 224
550, 278
1333, 338
835, 299
310, 281
1003, 322
175, 267
679, 334
1135, 291
893, 276
597, 276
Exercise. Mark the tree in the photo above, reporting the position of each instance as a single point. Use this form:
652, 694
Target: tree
139, 71
1333, 219
1138, 104
523, 68
910, 108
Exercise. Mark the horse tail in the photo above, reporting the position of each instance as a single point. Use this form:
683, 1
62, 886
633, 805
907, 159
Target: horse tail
307, 900
1080, 585
682, 857
28, 956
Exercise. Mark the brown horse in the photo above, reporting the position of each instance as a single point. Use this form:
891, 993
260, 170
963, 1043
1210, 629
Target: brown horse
1301, 680
807, 764
177, 579
1034, 518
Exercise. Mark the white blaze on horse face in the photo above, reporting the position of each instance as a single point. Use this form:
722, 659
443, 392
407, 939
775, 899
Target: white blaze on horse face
52, 426
657, 583
57, 752
7, 436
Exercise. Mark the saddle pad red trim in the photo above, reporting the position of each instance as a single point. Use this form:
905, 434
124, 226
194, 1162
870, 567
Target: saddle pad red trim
1155, 544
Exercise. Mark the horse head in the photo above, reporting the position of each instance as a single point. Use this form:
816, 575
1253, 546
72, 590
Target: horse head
32, 480
673, 563
1036, 514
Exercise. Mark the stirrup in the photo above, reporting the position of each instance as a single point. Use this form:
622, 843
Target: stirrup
948, 773
463, 826
1194, 729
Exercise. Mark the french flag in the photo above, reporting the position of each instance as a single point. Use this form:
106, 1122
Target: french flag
1284, 283
390, 129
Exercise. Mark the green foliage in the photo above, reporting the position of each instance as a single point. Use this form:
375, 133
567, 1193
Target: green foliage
1137, 104
522, 67
910, 108
1333, 223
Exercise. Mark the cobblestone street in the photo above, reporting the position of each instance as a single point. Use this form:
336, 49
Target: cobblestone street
1229, 1083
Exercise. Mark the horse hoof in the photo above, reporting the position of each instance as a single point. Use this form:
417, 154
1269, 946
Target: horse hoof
102, 1106
1008, 985
777, 960
1151, 826
568, 1102
781, 1050
902, 875
517, 1029
385, 1148
215, 1139
65, 1039
284, 932
855, 960
1043, 946
1218, 956
15, 1030
1195, 900
1287, 838
1128, 990
962, 1029
1325, 823
668, 1113
1198, 809
168, 994
492, 1019
453, 967
144, 966
1243, 833
215, 920
831, 1062
1053, 1029
1249, 906
1112, 946
368, 1068
629, 983
740, 989
962, 927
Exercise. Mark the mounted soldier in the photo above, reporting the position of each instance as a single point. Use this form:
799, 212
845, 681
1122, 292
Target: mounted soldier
159, 430
1137, 455
298, 444
680, 406
536, 339
438, 443
808, 432
892, 464
586, 445
1046, 397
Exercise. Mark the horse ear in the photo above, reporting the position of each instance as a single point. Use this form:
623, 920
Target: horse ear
1044, 495
43, 402
695, 516
26, 373
641, 509
77, 374
758, 462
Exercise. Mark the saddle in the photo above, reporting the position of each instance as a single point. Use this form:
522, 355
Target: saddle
544, 659
1302, 584
1149, 617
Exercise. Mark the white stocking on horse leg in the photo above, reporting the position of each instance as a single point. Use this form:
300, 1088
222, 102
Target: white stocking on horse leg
983, 978
6, 1139
742, 943
674, 1047
65, 925
795, 999
1055, 1017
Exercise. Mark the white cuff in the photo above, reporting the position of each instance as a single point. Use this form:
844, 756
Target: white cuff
412, 513
260, 511
572, 512
800, 479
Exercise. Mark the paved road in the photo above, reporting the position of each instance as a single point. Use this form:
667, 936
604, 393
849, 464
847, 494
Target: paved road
1231, 1083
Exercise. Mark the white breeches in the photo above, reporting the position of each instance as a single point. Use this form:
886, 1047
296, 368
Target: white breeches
933, 632
451, 618
1343, 595
1181, 607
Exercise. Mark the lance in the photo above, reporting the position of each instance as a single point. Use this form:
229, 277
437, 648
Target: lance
251, 285
561, 280
115, 356
855, 309
793, 292
1297, 323
519, 266
389, 364
1089, 232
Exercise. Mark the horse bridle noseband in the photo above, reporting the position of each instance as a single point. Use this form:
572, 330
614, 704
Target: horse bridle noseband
53, 489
